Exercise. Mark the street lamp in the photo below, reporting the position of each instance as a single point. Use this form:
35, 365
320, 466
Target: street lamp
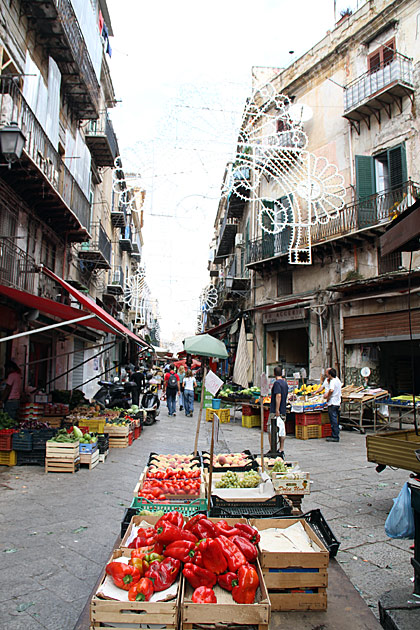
12, 141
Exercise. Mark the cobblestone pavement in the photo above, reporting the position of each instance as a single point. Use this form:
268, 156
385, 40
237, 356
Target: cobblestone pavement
58, 530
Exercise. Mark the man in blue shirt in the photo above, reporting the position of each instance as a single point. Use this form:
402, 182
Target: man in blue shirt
279, 393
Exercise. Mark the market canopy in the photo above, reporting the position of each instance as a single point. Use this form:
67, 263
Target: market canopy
205, 346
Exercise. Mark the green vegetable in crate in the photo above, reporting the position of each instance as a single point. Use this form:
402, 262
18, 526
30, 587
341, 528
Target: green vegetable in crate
250, 479
6, 421
63, 436
279, 465
77, 432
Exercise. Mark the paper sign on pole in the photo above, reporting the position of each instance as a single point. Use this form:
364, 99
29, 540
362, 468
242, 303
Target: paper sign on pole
265, 386
213, 383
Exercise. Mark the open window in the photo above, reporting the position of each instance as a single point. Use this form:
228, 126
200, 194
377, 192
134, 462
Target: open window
382, 56
384, 171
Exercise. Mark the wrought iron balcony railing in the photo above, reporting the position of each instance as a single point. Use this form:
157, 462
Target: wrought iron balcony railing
116, 281
98, 250
396, 75
374, 211
52, 170
101, 140
125, 239
17, 268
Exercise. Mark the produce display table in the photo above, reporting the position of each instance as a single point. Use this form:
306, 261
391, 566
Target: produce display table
346, 608
355, 401
397, 412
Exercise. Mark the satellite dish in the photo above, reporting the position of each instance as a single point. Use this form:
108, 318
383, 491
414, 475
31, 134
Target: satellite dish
299, 112
365, 372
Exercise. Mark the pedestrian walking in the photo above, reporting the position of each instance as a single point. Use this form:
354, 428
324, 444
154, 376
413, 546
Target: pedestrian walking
189, 384
138, 378
333, 398
10, 396
279, 393
181, 374
171, 388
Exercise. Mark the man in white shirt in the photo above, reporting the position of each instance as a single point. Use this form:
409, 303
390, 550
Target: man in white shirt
333, 398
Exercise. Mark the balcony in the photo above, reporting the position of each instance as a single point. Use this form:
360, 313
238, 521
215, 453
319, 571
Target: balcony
59, 34
40, 177
136, 247
125, 239
17, 268
378, 89
97, 252
226, 239
117, 281
101, 140
118, 217
365, 218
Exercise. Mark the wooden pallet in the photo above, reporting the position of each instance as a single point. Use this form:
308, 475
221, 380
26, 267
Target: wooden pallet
90, 459
106, 613
103, 456
64, 466
294, 570
226, 612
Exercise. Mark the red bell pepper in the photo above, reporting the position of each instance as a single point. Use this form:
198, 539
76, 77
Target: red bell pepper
246, 546
204, 528
159, 548
163, 574
204, 595
197, 576
223, 529
234, 556
142, 591
167, 533
183, 550
248, 583
228, 580
197, 558
214, 558
144, 538
193, 520
248, 532
123, 575
172, 517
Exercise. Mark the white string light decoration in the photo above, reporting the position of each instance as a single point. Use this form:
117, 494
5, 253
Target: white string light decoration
134, 287
290, 186
208, 300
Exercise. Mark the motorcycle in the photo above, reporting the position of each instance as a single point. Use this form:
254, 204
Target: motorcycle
114, 394
150, 404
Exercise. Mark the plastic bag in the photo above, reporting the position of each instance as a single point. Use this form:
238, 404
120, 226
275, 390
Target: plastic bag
400, 521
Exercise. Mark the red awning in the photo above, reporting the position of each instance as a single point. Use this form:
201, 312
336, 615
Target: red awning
91, 306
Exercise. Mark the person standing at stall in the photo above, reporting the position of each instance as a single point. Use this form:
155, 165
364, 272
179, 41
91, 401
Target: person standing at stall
11, 394
138, 378
333, 397
189, 384
171, 387
279, 393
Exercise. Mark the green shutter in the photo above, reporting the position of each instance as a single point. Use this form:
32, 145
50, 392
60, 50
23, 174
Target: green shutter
397, 166
365, 176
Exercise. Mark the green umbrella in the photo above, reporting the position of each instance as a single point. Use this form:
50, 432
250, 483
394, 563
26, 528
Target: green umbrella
205, 346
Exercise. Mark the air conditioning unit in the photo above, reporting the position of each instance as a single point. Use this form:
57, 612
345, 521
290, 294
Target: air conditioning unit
239, 239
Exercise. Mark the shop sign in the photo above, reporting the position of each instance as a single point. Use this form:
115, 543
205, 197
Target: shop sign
283, 316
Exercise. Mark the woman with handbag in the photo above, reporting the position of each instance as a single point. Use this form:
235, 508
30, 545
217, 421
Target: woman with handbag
189, 384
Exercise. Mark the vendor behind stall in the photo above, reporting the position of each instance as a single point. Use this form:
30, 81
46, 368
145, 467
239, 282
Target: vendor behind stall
10, 396
279, 392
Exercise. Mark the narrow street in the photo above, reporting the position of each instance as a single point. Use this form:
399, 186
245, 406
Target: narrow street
57, 531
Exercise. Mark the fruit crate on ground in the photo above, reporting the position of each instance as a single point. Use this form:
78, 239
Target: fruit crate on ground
325, 418
41, 437
61, 466
291, 483
308, 432
110, 613
90, 459
326, 430
137, 431
226, 612
286, 571
187, 508
251, 421
250, 410
305, 419
62, 457
88, 448
103, 455
8, 458
270, 508
223, 415
6, 436
31, 457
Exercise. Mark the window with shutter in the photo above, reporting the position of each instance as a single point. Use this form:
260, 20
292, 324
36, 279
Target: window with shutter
382, 56
365, 176
78, 357
397, 166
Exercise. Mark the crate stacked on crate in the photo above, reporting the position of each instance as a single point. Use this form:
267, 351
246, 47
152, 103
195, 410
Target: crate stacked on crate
103, 446
296, 574
62, 457
89, 455
119, 436
7, 454
251, 416
31, 411
308, 425
36, 454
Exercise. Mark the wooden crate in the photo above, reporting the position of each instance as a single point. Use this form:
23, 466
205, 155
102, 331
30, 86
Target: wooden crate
118, 442
90, 459
226, 611
103, 456
61, 466
53, 421
285, 484
283, 571
114, 431
135, 521
62, 450
107, 613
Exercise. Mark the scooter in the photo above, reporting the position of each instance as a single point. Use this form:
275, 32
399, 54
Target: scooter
115, 394
151, 405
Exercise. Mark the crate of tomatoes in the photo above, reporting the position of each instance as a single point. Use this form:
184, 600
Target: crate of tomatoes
170, 484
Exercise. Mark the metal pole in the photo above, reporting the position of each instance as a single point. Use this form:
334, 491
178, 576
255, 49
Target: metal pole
201, 410
39, 330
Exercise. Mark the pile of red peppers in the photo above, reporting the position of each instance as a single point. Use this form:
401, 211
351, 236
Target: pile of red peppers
211, 553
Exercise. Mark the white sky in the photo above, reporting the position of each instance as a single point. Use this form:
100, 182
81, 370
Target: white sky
182, 70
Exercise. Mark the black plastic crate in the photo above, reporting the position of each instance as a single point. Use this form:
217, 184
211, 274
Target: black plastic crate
22, 441
40, 438
30, 457
128, 515
271, 508
152, 455
253, 464
321, 528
